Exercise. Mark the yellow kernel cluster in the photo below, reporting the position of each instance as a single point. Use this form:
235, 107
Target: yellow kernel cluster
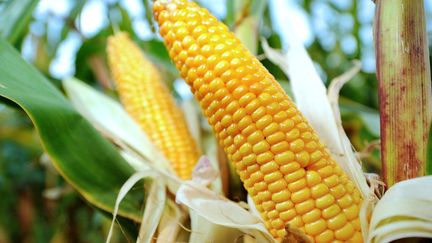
280, 160
147, 99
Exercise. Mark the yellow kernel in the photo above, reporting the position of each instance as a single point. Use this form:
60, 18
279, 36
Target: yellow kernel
345, 201
303, 158
268, 205
251, 168
226, 121
349, 186
357, 237
286, 126
337, 221
280, 147
272, 177
273, 108
332, 181
324, 201
248, 130
249, 160
258, 114
257, 176
338, 191
241, 118
296, 222
291, 111
277, 223
351, 212
281, 196
239, 140
252, 106
315, 156
291, 177
300, 196
356, 197
311, 216
273, 214
276, 137
260, 186
302, 126
232, 107
245, 99
265, 98
326, 171
239, 91
297, 145
248, 182
305, 206
345, 233
277, 186
280, 116
263, 121
228, 141
269, 167
324, 237
285, 206
289, 168
281, 233
315, 228
284, 158
245, 149
264, 196
231, 150
312, 178
319, 190
331, 211
255, 137
270, 129
232, 130
356, 224
318, 165
264, 157
236, 157
297, 185
292, 135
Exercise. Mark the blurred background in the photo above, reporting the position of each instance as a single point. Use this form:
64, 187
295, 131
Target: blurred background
64, 38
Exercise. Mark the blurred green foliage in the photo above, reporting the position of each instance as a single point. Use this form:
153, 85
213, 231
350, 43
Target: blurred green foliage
27, 214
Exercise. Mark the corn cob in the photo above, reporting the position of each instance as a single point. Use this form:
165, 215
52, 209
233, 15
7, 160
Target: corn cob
284, 167
147, 99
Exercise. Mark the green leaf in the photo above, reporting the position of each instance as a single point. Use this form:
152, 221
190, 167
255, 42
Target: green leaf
83, 157
14, 18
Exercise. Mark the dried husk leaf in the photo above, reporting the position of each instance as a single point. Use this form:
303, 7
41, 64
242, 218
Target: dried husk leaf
404, 211
220, 211
170, 223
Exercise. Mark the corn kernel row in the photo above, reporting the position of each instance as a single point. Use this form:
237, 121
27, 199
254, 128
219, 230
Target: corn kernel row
279, 158
147, 99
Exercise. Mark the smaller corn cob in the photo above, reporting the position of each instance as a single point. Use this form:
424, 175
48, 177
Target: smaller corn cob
147, 99
284, 167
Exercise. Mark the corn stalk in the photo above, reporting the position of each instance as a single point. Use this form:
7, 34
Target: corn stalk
403, 72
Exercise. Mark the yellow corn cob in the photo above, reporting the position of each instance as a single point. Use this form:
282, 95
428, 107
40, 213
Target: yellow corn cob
147, 99
283, 165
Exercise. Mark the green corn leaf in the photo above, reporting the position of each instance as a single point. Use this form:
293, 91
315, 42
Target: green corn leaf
85, 159
14, 18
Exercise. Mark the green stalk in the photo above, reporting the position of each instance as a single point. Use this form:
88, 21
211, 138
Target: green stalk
403, 72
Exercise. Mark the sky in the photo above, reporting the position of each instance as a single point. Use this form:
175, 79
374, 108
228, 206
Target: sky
94, 17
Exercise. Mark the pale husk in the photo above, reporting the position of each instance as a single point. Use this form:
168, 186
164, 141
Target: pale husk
404, 211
